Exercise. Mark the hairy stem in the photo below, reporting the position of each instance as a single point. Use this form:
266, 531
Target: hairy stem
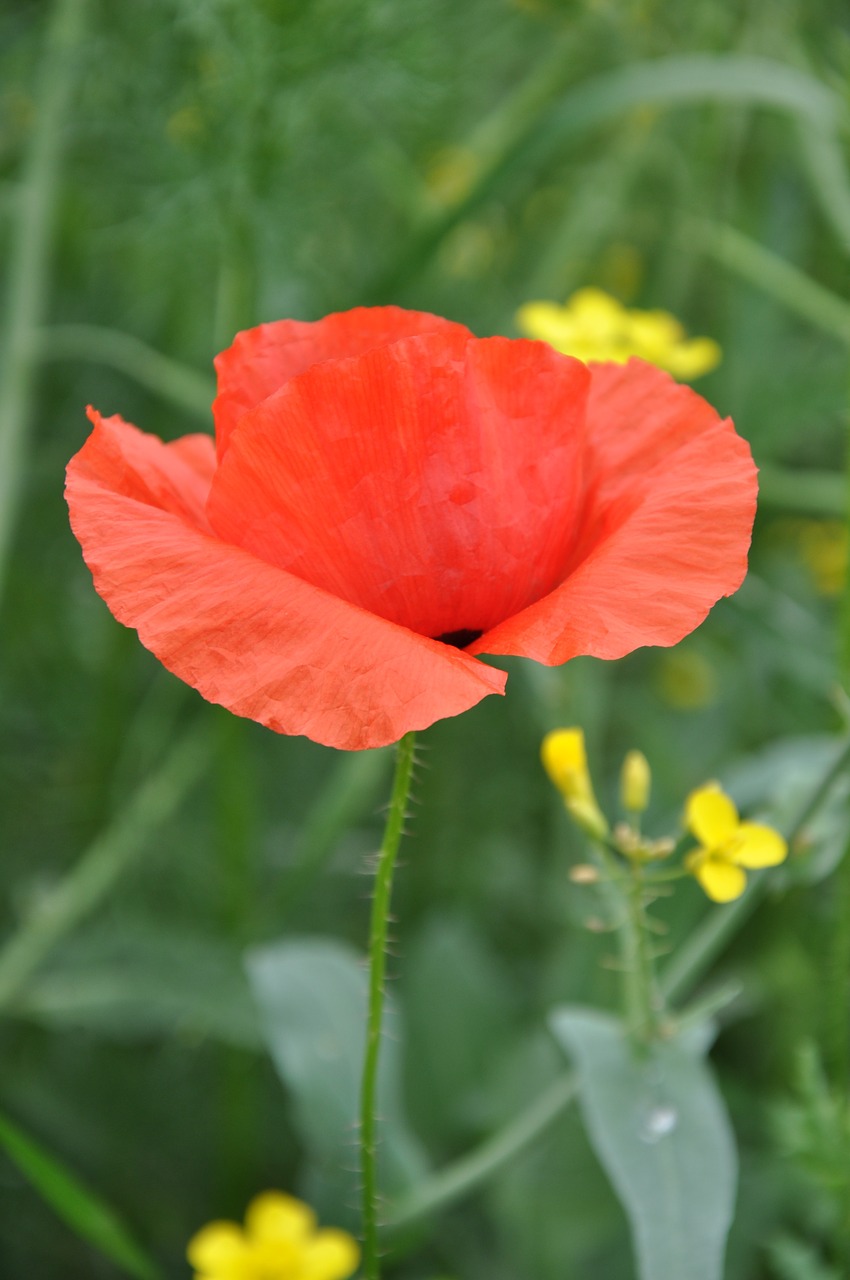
377, 962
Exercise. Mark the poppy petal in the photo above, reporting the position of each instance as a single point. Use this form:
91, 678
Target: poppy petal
261, 360
711, 815
670, 501
243, 633
758, 846
434, 481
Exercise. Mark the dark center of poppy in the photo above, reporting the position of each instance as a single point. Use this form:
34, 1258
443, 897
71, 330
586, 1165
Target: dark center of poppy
459, 639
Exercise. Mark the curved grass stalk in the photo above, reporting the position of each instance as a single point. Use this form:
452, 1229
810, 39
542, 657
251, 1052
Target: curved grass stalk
29, 253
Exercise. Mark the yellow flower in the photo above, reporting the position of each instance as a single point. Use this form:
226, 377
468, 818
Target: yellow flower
594, 326
565, 760
685, 680
635, 782
280, 1241
824, 548
727, 845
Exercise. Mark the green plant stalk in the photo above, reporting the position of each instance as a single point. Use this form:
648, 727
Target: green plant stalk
811, 493
642, 1002
777, 278
837, 985
665, 82
844, 612
722, 924
28, 257
377, 967
88, 882
86, 1213
173, 381
465, 1174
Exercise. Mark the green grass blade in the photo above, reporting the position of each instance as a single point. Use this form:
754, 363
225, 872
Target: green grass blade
680, 81
100, 866
88, 1216
176, 382
28, 256
781, 281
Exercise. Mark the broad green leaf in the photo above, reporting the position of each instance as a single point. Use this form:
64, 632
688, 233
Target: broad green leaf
141, 981
84, 1212
660, 1129
312, 996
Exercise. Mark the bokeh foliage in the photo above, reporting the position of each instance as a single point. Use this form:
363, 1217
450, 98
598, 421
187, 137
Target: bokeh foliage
224, 162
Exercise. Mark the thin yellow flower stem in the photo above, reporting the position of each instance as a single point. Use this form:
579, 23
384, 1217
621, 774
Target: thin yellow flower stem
377, 959
642, 1000
642, 1003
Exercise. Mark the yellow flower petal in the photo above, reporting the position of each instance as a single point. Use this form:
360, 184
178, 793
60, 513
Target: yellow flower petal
755, 845
219, 1251
273, 1216
635, 782
331, 1255
655, 334
548, 322
719, 878
565, 760
594, 326
692, 359
597, 315
711, 815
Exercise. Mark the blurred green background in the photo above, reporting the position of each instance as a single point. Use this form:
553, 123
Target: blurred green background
174, 170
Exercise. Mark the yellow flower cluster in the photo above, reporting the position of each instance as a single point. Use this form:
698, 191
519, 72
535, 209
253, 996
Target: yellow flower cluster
594, 326
280, 1241
727, 847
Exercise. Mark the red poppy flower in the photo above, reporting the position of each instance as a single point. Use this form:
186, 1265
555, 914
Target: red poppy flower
390, 496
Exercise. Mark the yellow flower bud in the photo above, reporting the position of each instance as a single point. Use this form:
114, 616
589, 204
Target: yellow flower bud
565, 760
635, 782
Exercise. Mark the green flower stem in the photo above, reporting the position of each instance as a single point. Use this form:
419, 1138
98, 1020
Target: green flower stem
88, 882
642, 999
377, 960
465, 1174
844, 612
810, 493
837, 982
721, 925
28, 255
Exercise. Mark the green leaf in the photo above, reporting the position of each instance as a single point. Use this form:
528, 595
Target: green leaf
471, 1023
773, 785
312, 995
660, 1129
83, 1211
138, 981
